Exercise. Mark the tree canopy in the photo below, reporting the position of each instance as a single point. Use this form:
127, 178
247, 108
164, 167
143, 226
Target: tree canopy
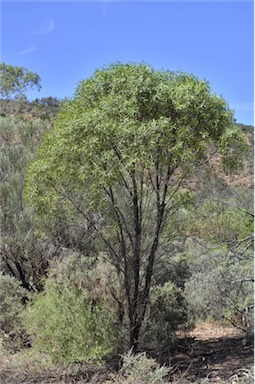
15, 82
121, 148
129, 115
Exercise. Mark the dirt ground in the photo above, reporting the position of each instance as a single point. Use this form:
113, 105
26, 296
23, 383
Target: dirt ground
216, 353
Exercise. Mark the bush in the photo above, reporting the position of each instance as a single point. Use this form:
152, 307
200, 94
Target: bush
11, 296
23, 253
167, 314
68, 324
221, 286
139, 369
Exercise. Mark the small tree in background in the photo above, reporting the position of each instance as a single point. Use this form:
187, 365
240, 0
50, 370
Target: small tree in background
15, 82
118, 156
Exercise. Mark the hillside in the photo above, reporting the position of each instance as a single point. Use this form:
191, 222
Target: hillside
44, 108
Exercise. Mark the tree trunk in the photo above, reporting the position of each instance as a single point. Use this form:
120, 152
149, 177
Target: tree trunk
134, 336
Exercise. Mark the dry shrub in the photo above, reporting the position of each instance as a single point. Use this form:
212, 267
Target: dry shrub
12, 331
139, 369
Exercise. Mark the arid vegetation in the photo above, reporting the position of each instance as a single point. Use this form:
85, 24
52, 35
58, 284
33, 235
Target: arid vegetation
126, 221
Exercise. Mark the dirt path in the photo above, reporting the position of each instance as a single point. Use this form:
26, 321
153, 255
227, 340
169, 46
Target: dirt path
215, 352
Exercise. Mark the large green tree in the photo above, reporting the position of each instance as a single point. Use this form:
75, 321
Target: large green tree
118, 156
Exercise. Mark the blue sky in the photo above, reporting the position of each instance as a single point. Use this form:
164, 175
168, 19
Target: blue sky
65, 41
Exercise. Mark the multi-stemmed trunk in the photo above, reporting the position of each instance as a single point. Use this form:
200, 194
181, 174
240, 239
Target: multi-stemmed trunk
138, 295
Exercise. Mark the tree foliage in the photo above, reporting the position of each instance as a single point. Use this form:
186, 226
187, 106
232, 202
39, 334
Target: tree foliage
118, 155
15, 82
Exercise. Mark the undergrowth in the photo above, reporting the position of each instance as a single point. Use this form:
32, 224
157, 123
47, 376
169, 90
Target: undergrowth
31, 368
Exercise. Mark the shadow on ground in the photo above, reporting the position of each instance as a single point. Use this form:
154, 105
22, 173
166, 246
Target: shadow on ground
220, 358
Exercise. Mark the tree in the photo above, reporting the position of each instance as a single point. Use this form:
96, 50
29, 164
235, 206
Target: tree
118, 156
46, 107
15, 82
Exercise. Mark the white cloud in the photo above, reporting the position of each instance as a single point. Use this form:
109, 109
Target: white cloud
45, 26
29, 49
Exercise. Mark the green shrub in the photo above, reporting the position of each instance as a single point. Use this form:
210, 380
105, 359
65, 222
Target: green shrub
67, 324
167, 313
